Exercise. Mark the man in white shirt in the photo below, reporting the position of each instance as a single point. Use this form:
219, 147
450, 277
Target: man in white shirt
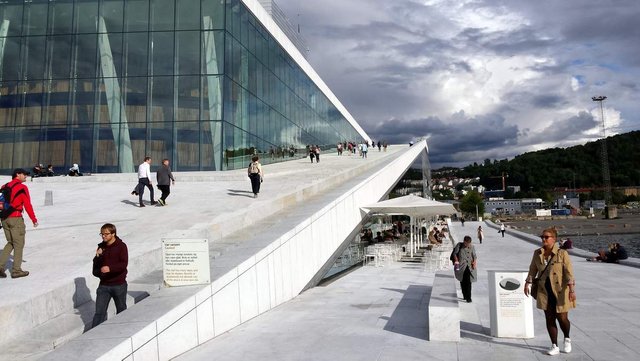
144, 180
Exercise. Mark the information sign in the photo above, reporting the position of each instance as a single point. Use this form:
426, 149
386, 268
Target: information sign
185, 262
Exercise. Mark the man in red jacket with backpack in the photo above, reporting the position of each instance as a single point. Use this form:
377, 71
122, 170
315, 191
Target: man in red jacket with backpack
13, 223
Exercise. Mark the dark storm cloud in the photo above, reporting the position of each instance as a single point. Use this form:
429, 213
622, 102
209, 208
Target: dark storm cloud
548, 101
573, 128
447, 140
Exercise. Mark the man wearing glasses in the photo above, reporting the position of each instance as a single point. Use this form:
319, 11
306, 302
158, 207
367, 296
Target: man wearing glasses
110, 265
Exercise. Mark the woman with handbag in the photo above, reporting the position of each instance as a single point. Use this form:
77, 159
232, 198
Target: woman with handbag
551, 276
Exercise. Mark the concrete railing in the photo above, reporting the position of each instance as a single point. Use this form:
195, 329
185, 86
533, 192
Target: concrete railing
444, 313
577, 252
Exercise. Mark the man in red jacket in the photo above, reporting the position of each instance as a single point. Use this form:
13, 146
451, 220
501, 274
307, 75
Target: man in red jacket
110, 265
13, 224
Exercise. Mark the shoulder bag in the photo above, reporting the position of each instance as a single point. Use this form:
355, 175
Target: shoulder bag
534, 283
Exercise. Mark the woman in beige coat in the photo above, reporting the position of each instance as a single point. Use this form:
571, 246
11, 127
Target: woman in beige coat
556, 294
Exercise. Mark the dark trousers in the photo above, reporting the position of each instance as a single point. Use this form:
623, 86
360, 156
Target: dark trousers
166, 190
104, 294
465, 284
255, 182
317, 157
312, 156
144, 182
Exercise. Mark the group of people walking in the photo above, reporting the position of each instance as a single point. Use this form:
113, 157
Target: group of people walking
164, 177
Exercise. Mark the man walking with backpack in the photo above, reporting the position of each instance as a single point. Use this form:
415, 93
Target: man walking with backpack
16, 200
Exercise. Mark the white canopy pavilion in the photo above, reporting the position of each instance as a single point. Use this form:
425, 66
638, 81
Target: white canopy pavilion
413, 206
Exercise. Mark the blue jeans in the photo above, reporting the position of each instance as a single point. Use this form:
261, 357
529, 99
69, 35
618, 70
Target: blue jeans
104, 294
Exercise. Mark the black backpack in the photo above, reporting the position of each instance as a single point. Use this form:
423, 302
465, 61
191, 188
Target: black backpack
455, 251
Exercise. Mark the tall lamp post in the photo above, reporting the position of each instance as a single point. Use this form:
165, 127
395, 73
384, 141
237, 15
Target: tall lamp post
605, 158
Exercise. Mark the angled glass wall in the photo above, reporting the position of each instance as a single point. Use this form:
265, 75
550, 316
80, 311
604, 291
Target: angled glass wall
104, 83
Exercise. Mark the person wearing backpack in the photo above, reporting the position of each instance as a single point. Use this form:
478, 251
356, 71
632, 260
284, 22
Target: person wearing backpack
255, 174
13, 223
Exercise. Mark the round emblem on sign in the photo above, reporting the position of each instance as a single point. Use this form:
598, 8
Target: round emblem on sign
510, 284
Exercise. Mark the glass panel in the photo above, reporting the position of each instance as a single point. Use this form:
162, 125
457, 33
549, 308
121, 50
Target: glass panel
135, 99
115, 47
30, 109
214, 10
188, 98
113, 12
188, 15
13, 13
136, 54
138, 135
188, 52
10, 62
188, 145
26, 146
35, 47
80, 149
161, 142
162, 12
137, 15
212, 97
213, 52
52, 147
106, 159
86, 16
57, 100
35, 17
61, 17
85, 56
9, 100
162, 99
104, 97
59, 48
82, 101
162, 47
207, 161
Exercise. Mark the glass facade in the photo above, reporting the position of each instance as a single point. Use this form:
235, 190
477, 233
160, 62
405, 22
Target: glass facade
104, 83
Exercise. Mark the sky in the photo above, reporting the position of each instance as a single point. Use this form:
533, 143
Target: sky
478, 78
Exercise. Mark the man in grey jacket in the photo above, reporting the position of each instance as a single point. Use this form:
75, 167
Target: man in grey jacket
165, 180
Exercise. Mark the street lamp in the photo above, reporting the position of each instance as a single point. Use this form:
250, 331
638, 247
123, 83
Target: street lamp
605, 158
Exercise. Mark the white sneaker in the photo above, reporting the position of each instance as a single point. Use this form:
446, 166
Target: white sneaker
567, 345
554, 350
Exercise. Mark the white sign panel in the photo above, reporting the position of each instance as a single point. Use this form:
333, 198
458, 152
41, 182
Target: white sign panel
185, 262
511, 311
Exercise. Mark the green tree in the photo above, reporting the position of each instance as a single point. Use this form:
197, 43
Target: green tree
470, 201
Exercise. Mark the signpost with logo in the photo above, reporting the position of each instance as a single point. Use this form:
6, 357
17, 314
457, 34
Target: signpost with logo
511, 311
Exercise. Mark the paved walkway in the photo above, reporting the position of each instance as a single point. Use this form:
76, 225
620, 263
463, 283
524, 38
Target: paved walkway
381, 314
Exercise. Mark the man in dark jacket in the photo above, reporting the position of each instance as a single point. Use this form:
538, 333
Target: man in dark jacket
110, 265
165, 180
13, 223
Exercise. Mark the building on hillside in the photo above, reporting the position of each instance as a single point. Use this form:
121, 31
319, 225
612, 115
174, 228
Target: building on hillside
595, 204
566, 202
503, 206
205, 83
529, 205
